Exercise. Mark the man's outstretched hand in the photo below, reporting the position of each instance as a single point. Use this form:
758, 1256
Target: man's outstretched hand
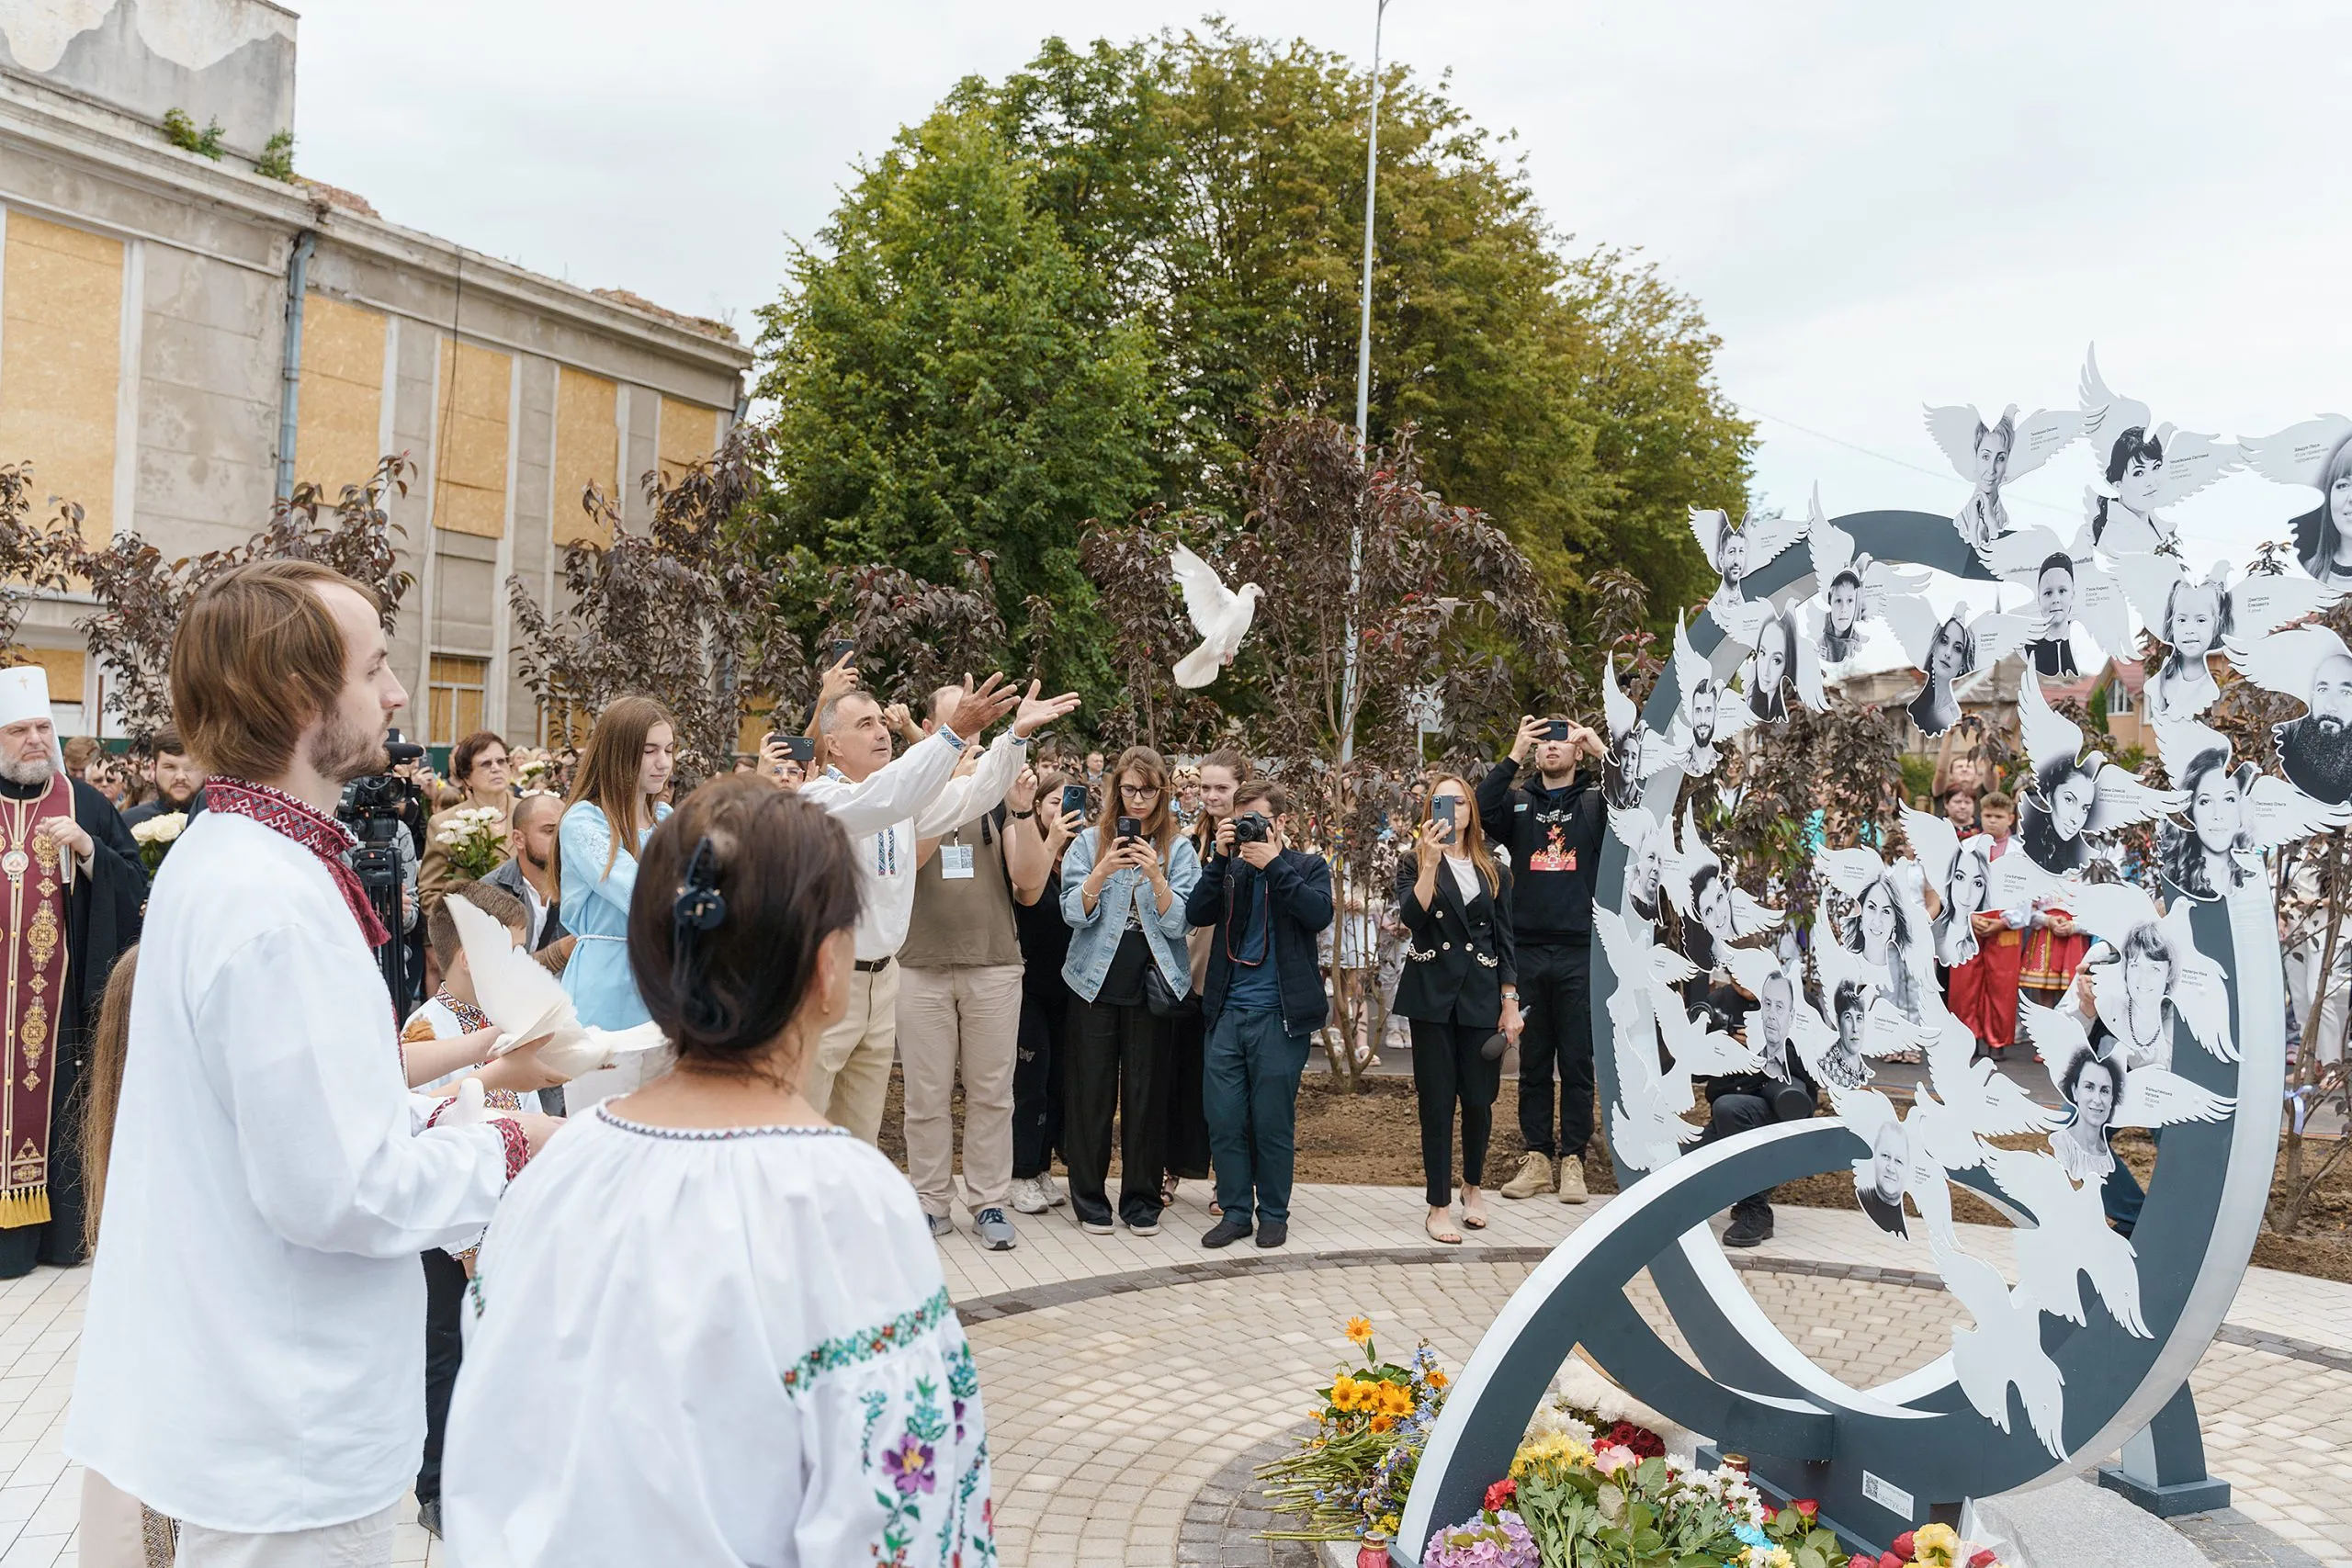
978, 709
1036, 713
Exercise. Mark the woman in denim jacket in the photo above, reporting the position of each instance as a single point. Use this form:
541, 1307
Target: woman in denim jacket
1124, 907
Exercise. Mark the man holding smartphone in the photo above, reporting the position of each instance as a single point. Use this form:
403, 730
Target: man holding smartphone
1263, 904
1551, 827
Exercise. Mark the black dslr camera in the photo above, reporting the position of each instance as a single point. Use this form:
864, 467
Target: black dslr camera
1251, 828
377, 809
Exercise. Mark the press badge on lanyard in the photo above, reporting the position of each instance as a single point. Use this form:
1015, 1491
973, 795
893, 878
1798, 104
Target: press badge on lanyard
954, 862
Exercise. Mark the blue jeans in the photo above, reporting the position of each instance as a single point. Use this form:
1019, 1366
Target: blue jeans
1250, 1094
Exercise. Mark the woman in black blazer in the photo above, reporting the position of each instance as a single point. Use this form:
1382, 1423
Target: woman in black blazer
1460, 988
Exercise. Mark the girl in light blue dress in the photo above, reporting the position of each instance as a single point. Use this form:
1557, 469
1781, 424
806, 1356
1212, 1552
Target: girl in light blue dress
615, 802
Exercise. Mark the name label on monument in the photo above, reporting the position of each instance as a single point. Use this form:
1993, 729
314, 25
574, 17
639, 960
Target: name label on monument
1886, 1495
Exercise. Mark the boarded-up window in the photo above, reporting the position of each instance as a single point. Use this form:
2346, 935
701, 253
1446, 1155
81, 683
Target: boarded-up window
587, 452
60, 363
341, 411
455, 703
470, 490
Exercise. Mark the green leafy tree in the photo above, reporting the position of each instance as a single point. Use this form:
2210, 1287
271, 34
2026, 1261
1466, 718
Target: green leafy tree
949, 385
1213, 186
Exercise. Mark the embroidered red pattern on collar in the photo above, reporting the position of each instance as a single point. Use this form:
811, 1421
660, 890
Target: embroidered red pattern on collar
307, 826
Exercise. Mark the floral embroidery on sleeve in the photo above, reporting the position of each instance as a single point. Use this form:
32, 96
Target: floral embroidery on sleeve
849, 1349
923, 1447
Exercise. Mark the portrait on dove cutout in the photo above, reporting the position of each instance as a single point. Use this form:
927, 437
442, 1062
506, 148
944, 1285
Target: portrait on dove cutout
1989, 455
2315, 455
2146, 466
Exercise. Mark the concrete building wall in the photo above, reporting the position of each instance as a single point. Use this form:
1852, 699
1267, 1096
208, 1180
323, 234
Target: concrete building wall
143, 334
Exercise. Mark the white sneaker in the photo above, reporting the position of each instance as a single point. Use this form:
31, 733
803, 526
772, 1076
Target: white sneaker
1045, 1185
1030, 1195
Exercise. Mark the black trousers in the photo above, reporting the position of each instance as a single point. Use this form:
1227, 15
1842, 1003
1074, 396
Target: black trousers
1116, 1065
445, 1347
1556, 999
1734, 1113
1448, 1068
1187, 1135
1037, 1089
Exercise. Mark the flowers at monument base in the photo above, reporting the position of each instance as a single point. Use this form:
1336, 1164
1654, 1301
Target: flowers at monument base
1497, 1538
1351, 1474
474, 839
1930, 1546
156, 837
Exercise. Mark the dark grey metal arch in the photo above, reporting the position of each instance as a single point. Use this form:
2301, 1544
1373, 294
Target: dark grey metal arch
1861, 1451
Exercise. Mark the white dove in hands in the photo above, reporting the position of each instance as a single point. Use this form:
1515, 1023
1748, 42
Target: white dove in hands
466, 1108
1220, 615
528, 1005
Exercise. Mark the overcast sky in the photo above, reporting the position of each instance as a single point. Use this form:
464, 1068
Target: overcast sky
1876, 206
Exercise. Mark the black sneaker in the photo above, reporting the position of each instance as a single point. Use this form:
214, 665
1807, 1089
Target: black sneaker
1273, 1233
1227, 1231
1751, 1225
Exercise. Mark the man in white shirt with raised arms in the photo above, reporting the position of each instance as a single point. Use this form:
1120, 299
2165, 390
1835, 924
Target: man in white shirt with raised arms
251, 1357
887, 807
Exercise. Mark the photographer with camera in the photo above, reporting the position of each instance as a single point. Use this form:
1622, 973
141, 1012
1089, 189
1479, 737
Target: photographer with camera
1265, 903
1552, 826
385, 812
270, 1171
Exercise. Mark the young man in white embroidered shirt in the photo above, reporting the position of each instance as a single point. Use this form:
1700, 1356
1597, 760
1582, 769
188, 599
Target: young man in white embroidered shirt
887, 807
251, 1357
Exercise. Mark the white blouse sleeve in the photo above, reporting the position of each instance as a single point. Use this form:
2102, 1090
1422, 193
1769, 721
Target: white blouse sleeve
895, 1444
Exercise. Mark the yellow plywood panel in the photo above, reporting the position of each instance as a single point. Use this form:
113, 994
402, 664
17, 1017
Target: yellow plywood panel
689, 436
61, 358
469, 454
64, 667
342, 393
587, 452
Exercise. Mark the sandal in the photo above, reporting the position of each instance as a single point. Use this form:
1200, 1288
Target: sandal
1474, 1219
1447, 1237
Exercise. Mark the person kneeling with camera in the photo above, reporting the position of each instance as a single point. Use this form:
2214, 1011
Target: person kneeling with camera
1265, 904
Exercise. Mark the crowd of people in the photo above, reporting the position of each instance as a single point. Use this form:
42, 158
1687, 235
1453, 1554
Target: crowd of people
1120, 963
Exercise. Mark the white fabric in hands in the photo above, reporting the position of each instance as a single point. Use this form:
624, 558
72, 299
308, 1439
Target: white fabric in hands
716, 1348
516, 992
252, 1355
1219, 614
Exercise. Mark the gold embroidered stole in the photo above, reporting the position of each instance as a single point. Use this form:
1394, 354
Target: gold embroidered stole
34, 890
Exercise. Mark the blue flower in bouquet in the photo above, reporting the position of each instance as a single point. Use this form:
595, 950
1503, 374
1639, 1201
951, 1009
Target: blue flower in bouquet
1751, 1535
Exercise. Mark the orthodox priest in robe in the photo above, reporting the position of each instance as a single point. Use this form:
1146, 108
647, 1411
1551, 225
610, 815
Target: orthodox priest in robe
71, 886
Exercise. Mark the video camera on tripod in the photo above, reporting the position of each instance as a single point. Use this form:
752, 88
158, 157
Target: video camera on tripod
377, 808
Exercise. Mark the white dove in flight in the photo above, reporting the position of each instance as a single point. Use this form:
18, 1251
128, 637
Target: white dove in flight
1221, 615
529, 1004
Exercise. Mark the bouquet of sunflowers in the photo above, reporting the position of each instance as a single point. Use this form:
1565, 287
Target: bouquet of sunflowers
1352, 1474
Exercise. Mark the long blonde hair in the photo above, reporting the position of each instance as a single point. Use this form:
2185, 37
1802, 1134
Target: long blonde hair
1466, 828
612, 763
102, 1089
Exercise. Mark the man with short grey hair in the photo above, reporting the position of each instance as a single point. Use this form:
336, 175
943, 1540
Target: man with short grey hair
889, 806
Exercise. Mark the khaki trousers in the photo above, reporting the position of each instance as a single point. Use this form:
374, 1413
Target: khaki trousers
360, 1543
969, 1013
850, 1075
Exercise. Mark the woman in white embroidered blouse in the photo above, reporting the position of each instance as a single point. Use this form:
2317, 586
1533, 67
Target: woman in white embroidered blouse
706, 1326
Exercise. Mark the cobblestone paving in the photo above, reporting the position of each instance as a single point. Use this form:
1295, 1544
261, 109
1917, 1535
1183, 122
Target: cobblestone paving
1130, 1389
1114, 1406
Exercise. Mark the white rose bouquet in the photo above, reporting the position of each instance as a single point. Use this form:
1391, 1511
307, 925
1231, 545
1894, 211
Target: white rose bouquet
475, 840
156, 836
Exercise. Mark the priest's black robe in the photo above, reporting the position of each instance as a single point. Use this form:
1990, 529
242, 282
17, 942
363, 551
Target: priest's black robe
102, 913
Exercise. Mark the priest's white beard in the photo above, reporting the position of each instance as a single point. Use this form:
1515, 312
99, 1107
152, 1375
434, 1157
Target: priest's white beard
30, 774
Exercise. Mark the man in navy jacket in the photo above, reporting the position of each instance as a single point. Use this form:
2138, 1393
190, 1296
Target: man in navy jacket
1263, 904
